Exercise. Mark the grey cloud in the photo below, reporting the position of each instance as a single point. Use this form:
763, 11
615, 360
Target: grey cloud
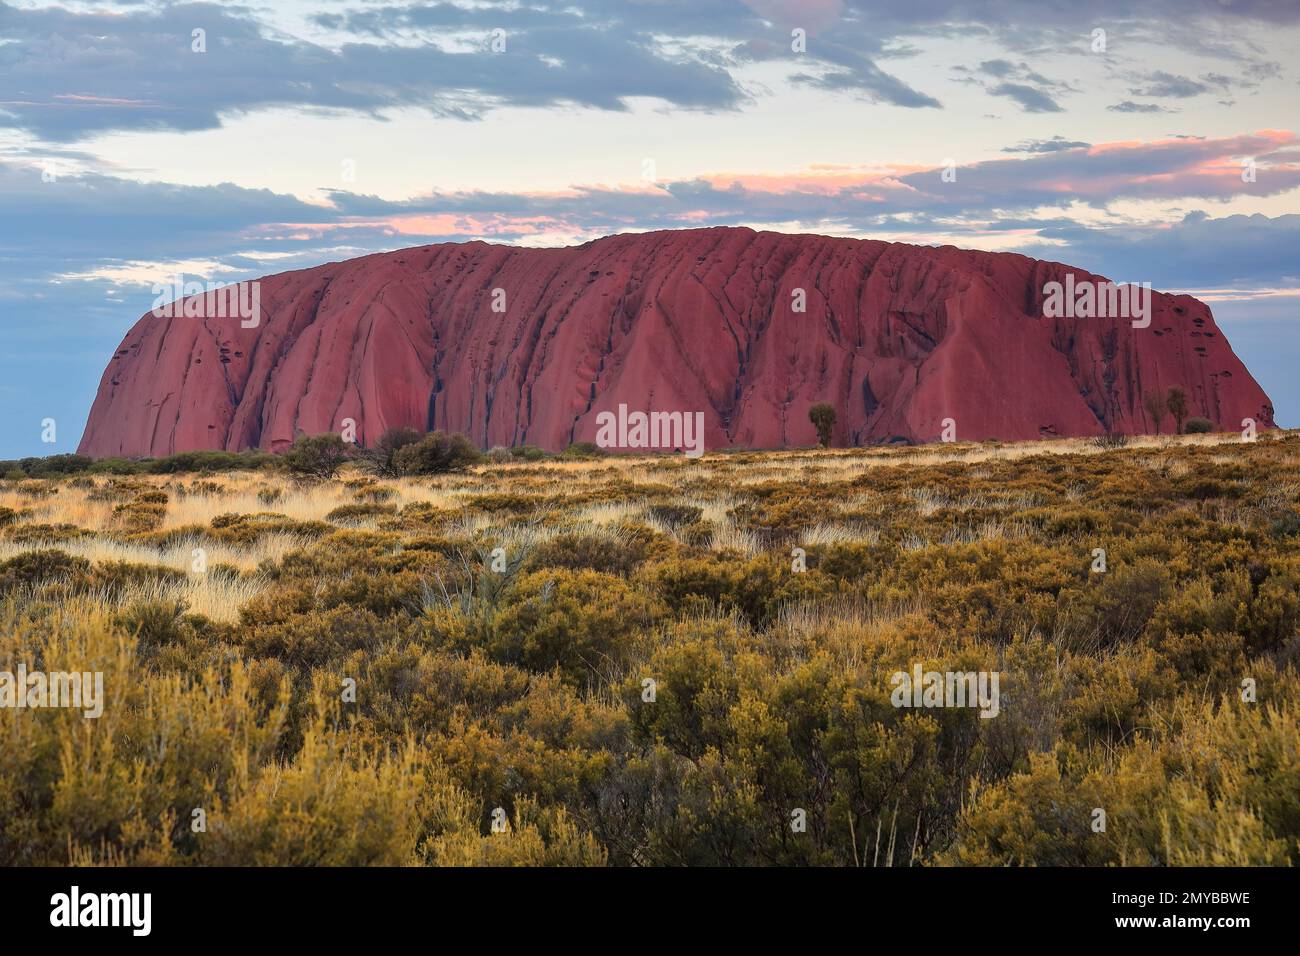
1217, 80
1197, 252
1162, 84
82, 216
998, 68
845, 64
64, 75
1053, 145
1128, 106
1017, 82
1030, 99
69, 74
872, 81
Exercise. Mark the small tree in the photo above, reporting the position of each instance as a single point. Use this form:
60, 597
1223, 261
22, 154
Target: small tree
1176, 402
822, 415
435, 453
382, 459
318, 456
1198, 426
1156, 407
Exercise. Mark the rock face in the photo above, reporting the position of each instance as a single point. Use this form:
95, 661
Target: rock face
528, 346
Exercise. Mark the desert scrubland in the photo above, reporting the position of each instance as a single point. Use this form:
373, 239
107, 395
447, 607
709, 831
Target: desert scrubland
664, 660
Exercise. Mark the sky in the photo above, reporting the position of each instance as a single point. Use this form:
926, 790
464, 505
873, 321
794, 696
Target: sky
1146, 141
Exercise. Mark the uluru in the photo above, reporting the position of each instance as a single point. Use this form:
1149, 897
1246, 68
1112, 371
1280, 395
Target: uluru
514, 345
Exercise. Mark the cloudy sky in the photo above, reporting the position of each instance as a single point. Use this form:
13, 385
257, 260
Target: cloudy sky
225, 141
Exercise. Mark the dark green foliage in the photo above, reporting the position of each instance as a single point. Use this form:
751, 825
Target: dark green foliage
1287, 525
583, 449
38, 567
52, 465
202, 462
317, 456
584, 623
244, 528
359, 511
674, 515
154, 623
181, 462
435, 454
575, 552
822, 415
382, 458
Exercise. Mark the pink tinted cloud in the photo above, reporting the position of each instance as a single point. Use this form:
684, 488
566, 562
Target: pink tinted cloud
825, 179
982, 194
1163, 169
92, 100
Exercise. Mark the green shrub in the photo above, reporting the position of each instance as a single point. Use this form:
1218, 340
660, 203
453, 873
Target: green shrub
583, 622
194, 461
360, 510
675, 515
598, 553
317, 456
154, 623
583, 449
115, 578
245, 528
38, 567
436, 453
1285, 526
756, 588
136, 517
382, 458
1205, 788
822, 416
